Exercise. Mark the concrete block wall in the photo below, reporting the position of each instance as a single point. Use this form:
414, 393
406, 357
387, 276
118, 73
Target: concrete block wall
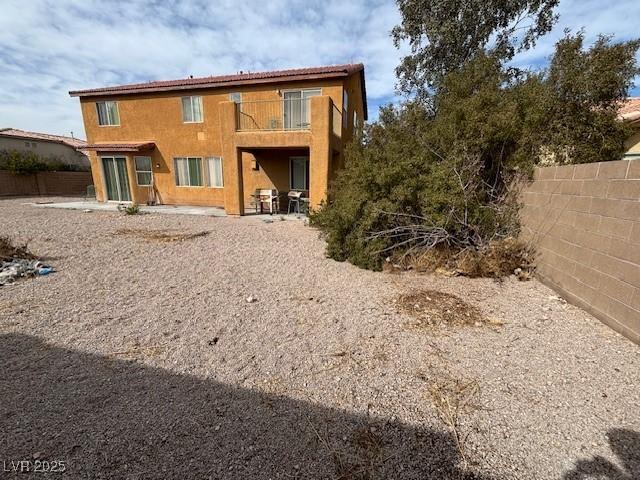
584, 221
44, 183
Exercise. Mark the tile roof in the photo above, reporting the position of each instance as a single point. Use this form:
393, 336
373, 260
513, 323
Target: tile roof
630, 109
225, 80
121, 147
16, 133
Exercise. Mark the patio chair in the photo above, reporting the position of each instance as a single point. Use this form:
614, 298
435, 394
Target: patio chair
267, 196
295, 198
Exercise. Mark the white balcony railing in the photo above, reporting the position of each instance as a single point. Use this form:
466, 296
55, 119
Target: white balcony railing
287, 114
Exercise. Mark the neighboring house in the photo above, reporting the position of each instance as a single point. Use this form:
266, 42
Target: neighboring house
215, 140
630, 112
64, 149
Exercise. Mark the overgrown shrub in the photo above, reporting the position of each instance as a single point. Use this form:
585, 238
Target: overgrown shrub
24, 163
440, 173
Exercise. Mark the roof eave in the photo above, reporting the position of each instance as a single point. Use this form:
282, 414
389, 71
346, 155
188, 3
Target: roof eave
113, 147
39, 139
212, 85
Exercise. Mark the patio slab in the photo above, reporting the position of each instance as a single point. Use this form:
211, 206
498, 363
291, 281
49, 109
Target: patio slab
161, 209
113, 207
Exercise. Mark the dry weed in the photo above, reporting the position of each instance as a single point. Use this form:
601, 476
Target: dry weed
498, 259
452, 398
361, 458
137, 351
160, 235
8, 250
432, 308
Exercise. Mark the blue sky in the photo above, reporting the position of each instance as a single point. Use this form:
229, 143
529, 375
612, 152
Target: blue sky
48, 47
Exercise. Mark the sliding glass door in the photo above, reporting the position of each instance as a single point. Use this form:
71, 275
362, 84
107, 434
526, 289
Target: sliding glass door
116, 179
297, 111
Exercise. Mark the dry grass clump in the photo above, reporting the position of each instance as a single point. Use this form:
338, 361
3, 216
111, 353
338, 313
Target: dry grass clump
452, 398
359, 456
432, 308
498, 259
137, 351
160, 235
8, 250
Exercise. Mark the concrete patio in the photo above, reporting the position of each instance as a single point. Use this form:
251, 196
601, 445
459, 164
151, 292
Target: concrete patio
160, 209
113, 207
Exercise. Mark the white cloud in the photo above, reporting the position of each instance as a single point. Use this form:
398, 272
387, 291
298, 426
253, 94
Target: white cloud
48, 47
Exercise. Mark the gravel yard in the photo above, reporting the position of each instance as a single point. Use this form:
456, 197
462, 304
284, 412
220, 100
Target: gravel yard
142, 358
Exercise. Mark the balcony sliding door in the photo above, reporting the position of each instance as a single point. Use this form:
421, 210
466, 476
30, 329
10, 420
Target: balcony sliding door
297, 111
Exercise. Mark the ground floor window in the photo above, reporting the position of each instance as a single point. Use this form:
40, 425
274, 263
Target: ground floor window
143, 171
299, 173
188, 171
214, 172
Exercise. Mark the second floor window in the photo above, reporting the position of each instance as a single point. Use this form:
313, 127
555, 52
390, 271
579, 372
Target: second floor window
345, 109
108, 113
192, 109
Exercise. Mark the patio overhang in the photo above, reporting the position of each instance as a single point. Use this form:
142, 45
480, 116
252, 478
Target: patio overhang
121, 147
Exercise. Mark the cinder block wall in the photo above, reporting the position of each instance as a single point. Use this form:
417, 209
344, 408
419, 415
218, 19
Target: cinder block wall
44, 183
585, 223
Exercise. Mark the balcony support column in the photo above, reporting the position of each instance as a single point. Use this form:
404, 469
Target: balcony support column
232, 161
320, 150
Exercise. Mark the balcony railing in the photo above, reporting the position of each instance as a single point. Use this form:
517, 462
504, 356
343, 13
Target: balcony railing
287, 114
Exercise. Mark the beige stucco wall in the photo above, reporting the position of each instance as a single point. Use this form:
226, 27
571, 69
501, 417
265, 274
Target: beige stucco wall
46, 149
158, 118
584, 221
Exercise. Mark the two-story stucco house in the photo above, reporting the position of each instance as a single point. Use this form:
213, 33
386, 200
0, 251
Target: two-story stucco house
216, 140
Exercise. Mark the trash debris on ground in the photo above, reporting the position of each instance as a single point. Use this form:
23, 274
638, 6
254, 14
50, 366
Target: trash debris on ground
251, 299
16, 268
17, 262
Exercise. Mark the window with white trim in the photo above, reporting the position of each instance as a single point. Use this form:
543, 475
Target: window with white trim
188, 171
143, 171
235, 97
214, 172
192, 109
108, 113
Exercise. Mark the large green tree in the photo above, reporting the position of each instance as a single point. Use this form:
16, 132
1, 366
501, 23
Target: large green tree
444, 35
438, 169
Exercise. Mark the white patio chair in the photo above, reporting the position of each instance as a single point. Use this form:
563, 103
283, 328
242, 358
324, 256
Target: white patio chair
267, 196
294, 201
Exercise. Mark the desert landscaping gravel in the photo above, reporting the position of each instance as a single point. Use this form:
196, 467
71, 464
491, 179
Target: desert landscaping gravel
245, 353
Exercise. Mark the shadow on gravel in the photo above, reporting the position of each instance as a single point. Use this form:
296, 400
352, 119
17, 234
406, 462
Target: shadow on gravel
109, 418
625, 444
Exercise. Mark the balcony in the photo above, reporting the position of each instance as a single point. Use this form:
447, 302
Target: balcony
281, 115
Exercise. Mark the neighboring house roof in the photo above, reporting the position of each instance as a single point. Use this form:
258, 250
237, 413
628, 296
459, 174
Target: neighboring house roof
75, 143
121, 147
630, 109
335, 71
